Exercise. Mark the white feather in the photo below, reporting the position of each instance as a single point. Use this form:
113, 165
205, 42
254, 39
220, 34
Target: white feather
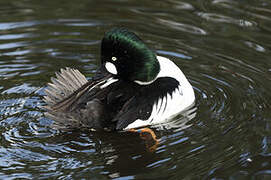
182, 98
162, 108
108, 82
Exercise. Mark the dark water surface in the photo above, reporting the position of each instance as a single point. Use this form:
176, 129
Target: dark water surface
223, 47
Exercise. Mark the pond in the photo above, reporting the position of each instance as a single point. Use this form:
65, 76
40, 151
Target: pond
222, 46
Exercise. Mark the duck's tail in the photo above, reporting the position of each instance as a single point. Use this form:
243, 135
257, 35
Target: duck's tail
67, 81
58, 96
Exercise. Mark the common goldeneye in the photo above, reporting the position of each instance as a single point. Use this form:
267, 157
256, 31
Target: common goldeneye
132, 88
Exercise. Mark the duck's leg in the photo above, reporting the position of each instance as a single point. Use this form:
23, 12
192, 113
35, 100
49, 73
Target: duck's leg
149, 136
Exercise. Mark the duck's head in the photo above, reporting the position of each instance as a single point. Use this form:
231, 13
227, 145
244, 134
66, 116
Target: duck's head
127, 57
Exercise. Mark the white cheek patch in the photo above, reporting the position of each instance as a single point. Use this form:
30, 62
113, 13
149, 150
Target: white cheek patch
110, 67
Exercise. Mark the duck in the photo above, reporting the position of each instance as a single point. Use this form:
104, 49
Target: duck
132, 88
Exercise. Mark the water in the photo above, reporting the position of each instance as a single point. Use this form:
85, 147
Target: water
222, 46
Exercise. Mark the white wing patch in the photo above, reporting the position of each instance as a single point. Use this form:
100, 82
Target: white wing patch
163, 105
170, 105
165, 108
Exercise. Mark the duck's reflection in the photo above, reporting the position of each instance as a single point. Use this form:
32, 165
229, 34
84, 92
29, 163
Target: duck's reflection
131, 152
126, 153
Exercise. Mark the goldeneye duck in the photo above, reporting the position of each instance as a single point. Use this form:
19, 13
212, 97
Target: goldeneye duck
132, 88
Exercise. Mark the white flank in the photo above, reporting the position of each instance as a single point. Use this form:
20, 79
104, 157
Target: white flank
182, 97
110, 67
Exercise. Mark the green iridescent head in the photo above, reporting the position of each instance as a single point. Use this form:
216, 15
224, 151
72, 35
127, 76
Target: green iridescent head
124, 54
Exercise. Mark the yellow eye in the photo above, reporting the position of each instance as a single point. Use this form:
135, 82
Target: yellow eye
114, 58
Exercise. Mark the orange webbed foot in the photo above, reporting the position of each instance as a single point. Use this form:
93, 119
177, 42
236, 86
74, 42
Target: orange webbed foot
149, 137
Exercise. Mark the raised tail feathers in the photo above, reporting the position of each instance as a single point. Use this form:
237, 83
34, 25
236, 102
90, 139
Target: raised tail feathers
60, 89
67, 81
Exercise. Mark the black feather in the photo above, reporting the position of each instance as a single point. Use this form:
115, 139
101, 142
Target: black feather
139, 106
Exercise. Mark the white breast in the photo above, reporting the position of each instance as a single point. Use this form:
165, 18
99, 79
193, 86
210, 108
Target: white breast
169, 106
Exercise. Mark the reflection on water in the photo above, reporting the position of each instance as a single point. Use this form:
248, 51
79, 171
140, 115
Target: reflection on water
223, 47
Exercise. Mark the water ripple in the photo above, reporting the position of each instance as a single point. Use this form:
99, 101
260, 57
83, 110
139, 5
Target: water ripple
16, 36
222, 46
182, 27
225, 19
16, 25
13, 45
